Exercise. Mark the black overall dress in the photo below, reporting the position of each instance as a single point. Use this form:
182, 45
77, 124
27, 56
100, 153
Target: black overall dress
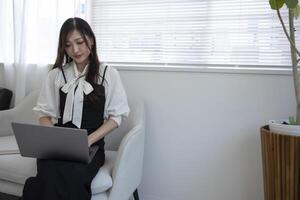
67, 180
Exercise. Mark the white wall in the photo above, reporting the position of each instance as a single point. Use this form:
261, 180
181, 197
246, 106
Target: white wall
203, 139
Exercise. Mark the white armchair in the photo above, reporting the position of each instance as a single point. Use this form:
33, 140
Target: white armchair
118, 179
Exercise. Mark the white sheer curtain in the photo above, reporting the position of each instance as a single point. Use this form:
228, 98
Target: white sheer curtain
28, 39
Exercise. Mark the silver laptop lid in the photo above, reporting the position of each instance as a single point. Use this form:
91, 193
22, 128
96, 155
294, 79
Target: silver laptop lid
52, 142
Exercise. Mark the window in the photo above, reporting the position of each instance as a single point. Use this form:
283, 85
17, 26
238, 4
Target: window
29, 29
190, 32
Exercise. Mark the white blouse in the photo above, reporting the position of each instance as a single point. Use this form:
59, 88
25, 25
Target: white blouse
116, 105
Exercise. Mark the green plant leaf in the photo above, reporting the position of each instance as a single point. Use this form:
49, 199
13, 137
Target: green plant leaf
291, 3
296, 11
292, 121
276, 4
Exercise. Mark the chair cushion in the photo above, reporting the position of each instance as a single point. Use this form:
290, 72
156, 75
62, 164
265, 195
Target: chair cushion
15, 168
103, 181
99, 196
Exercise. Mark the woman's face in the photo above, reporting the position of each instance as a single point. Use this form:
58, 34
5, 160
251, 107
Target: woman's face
77, 49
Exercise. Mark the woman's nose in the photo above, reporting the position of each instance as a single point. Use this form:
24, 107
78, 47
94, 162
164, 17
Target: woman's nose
75, 48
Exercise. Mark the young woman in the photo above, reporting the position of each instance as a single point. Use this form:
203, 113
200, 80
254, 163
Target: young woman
79, 92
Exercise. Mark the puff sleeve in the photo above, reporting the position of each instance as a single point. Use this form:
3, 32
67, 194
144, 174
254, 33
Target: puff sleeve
116, 104
47, 103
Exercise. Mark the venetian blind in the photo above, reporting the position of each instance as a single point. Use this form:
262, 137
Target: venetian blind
195, 32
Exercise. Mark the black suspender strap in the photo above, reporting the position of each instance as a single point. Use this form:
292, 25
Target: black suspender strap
62, 70
104, 75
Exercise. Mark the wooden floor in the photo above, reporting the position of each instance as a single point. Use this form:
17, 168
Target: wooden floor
7, 197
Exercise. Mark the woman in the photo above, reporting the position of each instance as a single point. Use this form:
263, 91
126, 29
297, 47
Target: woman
79, 92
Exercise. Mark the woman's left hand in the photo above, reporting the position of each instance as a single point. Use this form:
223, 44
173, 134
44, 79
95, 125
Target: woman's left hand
90, 141
103, 130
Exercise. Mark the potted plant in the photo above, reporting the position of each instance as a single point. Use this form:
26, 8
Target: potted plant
281, 141
293, 11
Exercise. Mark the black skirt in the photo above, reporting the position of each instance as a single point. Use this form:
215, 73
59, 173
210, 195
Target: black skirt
63, 180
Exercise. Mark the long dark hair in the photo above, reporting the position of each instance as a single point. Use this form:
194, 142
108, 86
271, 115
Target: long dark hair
84, 29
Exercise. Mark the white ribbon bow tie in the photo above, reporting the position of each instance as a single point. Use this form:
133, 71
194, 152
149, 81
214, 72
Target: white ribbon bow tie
75, 97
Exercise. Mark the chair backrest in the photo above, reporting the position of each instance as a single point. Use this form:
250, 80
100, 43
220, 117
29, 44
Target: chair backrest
24, 110
135, 118
129, 140
23, 113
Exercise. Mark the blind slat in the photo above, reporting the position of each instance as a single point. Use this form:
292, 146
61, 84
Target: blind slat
245, 32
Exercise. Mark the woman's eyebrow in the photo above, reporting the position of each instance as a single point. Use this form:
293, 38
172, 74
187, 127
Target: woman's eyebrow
80, 38
76, 39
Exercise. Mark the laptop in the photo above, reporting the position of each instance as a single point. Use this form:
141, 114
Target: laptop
58, 143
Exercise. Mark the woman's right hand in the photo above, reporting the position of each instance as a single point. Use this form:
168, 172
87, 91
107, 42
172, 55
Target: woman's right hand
45, 121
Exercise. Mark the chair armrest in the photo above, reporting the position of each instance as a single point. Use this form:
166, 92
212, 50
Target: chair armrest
6, 117
128, 167
8, 145
21, 113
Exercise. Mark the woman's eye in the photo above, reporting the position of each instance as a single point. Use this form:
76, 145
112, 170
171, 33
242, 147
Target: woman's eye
80, 42
68, 45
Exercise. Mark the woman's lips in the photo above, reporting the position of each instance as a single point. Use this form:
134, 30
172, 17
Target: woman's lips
77, 56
